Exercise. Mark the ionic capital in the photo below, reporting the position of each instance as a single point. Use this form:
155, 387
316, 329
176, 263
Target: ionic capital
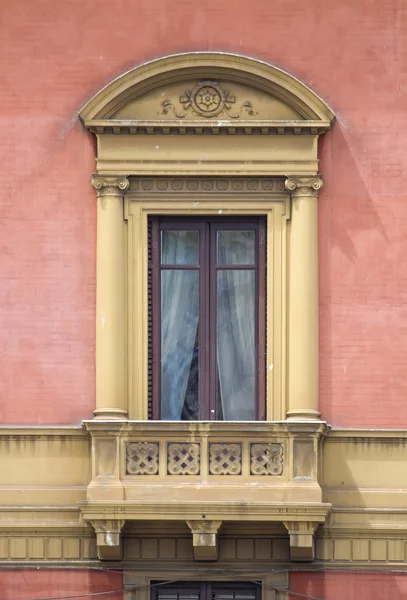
110, 185
304, 186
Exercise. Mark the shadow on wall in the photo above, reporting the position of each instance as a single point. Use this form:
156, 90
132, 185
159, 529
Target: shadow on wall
346, 206
347, 216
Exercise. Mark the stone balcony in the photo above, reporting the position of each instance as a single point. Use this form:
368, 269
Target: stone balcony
205, 473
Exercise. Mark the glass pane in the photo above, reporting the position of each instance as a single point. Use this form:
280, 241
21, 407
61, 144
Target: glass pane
236, 247
179, 247
236, 345
179, 344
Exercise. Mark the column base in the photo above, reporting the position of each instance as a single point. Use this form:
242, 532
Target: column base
303, 414
107, 414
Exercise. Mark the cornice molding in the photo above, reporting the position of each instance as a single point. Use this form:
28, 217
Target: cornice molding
366, 435
159, 127
80, 433
39, 432
228, 428
191, 511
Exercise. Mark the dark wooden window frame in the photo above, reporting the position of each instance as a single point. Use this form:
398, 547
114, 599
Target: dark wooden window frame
207, 227
203, 590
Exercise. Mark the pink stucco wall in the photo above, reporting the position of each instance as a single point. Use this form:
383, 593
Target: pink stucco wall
56, 55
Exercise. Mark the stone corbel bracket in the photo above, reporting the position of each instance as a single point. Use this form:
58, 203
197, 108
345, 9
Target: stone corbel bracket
302, 546
108, 538
205, 539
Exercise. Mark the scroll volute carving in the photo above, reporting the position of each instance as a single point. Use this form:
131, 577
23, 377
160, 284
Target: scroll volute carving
206, 99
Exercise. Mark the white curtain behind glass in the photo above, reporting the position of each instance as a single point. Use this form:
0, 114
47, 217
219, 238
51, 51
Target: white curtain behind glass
235, 328
179, 321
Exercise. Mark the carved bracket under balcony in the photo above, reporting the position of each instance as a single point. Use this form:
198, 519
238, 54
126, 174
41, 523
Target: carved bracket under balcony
108, 538
302, 542
205, 539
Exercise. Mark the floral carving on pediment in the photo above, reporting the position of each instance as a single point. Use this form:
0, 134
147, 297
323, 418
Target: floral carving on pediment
207, 100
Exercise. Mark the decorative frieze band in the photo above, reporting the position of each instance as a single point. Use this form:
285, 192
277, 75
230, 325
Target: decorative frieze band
206, 185
183, 458
116, 185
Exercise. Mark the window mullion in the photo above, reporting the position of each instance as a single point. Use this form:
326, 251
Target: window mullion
204, 315
206, 591
212, 320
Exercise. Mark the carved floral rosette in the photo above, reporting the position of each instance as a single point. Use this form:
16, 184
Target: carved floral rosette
207, 99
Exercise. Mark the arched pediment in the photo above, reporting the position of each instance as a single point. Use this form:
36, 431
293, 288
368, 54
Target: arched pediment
215, 89
165, 117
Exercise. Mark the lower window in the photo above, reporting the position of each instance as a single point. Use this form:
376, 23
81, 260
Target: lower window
207, 318
189, 590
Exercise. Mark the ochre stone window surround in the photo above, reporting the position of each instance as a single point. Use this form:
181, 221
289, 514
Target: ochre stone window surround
196, 134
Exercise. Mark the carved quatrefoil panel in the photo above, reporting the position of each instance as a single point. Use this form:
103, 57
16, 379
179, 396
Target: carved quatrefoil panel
225, 459
142, 458
266, 459
183, 458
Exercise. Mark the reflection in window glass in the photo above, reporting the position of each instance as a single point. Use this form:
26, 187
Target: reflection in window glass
236, 247
179, 247
179, 344
236, 345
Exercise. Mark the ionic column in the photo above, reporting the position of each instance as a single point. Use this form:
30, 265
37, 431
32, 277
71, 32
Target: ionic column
111, 335
303, 347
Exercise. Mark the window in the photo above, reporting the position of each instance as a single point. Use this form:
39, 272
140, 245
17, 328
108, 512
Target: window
156, 156
191, 590
207, 318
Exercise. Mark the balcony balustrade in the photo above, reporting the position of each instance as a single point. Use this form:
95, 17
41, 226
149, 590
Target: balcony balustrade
205, 473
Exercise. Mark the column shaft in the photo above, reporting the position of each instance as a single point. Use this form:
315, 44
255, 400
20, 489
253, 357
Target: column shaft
303, 340
111, 334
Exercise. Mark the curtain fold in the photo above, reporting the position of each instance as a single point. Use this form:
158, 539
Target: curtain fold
236, 329
179, 324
